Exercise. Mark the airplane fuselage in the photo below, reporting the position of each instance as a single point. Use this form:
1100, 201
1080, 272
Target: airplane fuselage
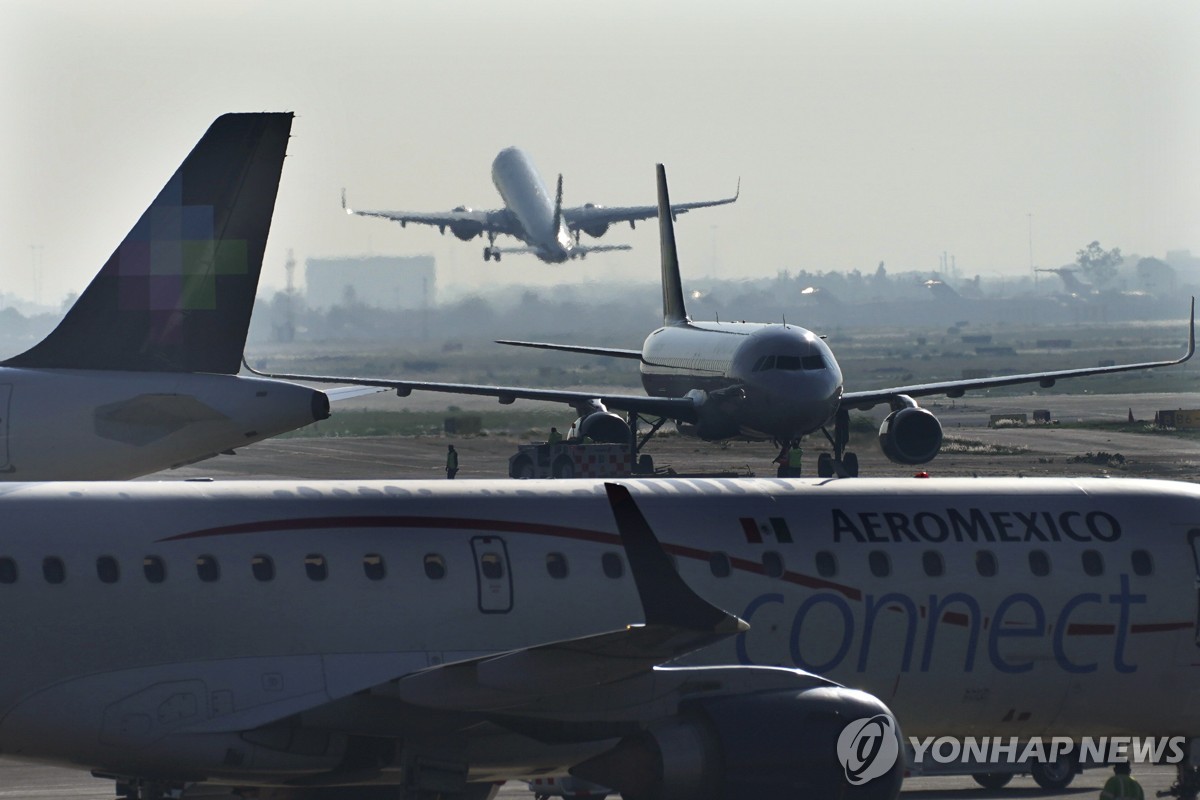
527, 199
60, 424
149, 625
763, 381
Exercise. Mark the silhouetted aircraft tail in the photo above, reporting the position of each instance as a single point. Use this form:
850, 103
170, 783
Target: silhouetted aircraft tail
672, 287
177, 294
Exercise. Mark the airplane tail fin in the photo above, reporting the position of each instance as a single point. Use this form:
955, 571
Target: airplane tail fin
177, 294
672, 287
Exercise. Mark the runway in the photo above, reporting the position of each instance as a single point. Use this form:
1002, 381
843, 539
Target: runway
24, 781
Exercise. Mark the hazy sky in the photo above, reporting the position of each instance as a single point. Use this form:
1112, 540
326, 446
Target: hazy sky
862, 131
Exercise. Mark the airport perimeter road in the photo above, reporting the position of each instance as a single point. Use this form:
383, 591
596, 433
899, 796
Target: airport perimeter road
24, 781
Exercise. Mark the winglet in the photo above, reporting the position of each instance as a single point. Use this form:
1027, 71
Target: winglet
672, 286
177, 293
1191, 334
345, 208
666, 598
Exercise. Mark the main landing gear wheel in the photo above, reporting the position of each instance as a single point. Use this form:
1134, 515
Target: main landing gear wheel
992, 780
1053, 776
824, 465
850, 464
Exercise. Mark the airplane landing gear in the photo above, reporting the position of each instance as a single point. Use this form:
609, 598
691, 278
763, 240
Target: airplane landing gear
490, 252
1187, 783
841, 463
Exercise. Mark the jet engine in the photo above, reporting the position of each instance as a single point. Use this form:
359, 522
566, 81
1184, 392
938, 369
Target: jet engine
910, 436
466, 229
819, 742
601, 426
594, 229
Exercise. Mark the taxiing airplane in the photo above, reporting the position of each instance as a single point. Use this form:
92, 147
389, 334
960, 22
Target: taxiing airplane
548, 230
396, 640
768, 381
141, 373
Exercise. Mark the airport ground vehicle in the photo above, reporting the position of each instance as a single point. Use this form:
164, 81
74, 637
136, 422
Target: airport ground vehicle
570, 460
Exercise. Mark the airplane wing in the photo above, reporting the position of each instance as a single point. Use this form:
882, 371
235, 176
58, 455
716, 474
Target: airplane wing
864, 400
676, 621
583, 216
683, 409
615, 352
498, 220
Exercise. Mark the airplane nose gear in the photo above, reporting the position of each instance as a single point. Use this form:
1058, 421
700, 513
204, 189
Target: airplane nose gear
1186, 785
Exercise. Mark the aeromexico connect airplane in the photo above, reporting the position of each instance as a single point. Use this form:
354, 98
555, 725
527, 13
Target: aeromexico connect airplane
141, 373
671, 639
548, 230
721, 380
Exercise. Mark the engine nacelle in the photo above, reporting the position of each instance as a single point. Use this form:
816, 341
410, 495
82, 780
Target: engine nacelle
601, 426
910, 436
820, 742
466, 229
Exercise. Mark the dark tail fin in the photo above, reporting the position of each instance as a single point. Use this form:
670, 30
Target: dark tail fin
176, 295
672, 287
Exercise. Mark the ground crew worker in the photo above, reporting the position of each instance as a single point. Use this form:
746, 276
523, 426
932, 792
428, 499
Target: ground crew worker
1122, 786
451, 462
793, 460
555, 437
782, 461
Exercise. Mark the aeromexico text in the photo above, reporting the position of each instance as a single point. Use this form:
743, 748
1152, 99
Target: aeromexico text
975, 525
1010, 750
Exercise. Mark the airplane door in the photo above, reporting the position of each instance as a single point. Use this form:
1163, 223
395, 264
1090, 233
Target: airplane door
1194, 541
492, 574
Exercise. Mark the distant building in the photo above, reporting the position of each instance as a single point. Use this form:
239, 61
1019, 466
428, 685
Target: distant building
385, 282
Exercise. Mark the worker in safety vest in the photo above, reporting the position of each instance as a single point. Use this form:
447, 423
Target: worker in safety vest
555, 437
451, 462
793, 459
1122, 786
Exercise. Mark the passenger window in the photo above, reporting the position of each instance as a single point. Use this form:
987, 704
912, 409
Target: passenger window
435, 567
107, 570
826, 564
491, 566
718, 564
1141, 562
316, 567
207, 568
773, 564
54, 570
613, 566
1039, 563
154, 569
373, 567
880, 566
985, 563
556, 565
932, 561
8, 570
1093, 563
263, 568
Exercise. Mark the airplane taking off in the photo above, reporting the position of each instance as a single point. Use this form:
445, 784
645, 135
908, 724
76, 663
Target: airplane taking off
392, 640
766, 381
141, 373
549, 231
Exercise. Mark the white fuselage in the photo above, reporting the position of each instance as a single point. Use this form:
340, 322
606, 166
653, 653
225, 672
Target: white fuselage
167, 636
58, 424
790, 383
526, 196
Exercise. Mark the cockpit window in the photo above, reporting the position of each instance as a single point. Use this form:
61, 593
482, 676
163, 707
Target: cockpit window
791, 363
